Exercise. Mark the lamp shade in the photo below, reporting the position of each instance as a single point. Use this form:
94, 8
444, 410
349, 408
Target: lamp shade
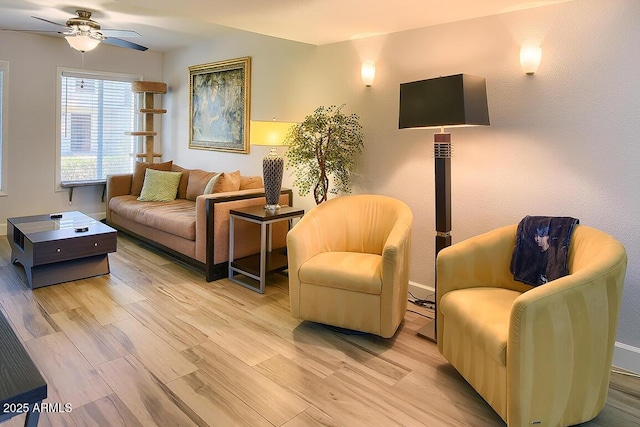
368, 73
268, 133
530, 57
82, 42
457, 100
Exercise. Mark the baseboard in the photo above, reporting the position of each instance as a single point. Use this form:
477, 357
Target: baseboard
420, 291
626, 357
3, 229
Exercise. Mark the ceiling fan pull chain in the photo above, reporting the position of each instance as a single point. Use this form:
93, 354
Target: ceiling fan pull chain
82, 80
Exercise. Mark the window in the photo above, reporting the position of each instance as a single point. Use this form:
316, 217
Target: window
4, 81
95, 112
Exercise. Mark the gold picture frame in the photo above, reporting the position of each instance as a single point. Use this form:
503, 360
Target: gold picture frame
219, 94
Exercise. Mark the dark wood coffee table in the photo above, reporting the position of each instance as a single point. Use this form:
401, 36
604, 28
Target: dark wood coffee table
55, 250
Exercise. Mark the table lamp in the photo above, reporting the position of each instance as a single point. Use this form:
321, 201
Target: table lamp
457, 100
273, 134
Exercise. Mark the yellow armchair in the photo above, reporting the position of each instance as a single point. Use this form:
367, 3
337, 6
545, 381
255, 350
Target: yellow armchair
538, 355
349, 263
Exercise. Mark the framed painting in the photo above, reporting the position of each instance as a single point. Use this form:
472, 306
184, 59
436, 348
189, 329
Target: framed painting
219, 105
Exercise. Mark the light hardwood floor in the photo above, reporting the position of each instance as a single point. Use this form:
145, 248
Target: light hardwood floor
154, 344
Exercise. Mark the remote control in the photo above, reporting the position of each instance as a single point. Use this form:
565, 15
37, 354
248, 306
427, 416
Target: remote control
55, 216
81, 229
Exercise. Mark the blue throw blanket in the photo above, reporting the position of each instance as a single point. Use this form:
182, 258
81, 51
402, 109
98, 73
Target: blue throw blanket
542, 248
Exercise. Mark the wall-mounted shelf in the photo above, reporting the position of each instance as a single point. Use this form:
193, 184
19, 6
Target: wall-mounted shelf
73, 184
142, 133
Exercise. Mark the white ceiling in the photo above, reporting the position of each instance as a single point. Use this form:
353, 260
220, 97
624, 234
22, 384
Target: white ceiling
168, 24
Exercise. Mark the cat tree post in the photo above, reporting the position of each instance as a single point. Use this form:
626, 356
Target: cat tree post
149, 89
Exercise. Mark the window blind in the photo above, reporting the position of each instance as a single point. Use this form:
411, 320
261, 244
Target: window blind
96, 111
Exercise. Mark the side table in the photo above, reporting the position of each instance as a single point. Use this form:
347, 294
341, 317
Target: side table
257, 266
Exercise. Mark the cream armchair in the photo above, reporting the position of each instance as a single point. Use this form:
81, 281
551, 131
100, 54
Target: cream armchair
349, 263
538, 356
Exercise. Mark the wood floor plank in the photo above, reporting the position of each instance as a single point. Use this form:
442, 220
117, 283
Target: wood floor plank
95, 343
107, 411
70, 378
155, 354
96, 301
11, 283
175, 332
225, 371
28, 317
116, 289
55, 299
143, 394
215, 406
230, 335
312, 417
334, 399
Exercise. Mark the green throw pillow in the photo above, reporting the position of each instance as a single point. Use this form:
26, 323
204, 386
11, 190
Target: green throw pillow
159, 186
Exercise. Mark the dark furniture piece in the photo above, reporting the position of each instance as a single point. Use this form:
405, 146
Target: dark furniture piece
268, 260
22, 388
60, 249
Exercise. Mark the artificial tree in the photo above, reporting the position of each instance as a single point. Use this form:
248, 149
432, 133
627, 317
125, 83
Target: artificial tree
322, 146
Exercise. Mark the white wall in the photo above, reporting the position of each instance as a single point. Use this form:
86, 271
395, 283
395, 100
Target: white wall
562, 142
31, 109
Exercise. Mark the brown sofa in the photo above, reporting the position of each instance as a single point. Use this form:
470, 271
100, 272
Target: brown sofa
195, 226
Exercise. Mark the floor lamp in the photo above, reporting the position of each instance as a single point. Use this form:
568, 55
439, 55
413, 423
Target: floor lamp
458, 100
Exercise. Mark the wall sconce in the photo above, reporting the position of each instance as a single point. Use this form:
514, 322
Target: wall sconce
530, 57
368, 72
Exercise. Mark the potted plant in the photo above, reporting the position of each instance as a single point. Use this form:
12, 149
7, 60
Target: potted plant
323, 146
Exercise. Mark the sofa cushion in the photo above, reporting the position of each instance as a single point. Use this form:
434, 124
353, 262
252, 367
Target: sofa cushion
159, 186
481, 316
228, 181
352, 271
184, 181
198, 180
251, 182
139, 171
177, 217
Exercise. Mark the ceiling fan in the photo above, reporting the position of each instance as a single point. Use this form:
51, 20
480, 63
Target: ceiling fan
84, 34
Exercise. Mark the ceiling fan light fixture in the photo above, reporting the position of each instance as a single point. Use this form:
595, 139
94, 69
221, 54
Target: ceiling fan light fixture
82, 43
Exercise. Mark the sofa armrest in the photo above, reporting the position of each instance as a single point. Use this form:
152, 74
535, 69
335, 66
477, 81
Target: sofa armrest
212, 223
117, 185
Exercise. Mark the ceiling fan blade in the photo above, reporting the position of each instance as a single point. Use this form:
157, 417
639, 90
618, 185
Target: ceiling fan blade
30, 31
50, 22
123, 43
111, 32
